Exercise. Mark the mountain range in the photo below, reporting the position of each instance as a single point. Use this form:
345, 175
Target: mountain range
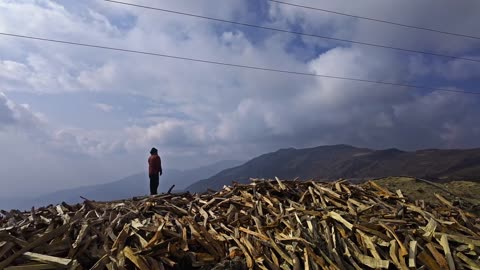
320, 163
345, 161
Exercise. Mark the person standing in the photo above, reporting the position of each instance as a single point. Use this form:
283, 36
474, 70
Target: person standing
154, 170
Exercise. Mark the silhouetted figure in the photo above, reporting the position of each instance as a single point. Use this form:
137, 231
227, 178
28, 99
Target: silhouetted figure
154, 170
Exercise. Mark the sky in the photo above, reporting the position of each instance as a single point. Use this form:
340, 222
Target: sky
73, 116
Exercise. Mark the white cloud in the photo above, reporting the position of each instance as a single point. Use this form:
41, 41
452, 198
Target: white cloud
459, 70
90, 143
21, 119
196, 109
19, 116
170, 133
13, 71
104, 107
6, 112
442, 15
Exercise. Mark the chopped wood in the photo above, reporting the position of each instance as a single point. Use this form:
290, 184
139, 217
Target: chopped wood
267, 224
412, 254
428, 261
47, 259
446, 248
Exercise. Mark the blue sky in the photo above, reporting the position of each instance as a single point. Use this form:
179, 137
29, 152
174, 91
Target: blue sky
72, 116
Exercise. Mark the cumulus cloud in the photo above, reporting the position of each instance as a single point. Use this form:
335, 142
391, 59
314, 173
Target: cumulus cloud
6, 113
21, 119
84, 142
18, 116
170, 134
443, 15
193, 109
104, 107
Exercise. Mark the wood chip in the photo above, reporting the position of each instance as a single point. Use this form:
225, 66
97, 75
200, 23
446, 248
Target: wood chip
267, 224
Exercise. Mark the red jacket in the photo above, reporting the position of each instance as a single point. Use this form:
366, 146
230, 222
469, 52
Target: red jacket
154, 165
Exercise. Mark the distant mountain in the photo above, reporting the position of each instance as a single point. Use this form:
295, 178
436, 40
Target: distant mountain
134, 185
344, 161
182, 179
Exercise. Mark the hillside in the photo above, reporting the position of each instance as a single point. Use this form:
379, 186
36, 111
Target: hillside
344, 161
134, 185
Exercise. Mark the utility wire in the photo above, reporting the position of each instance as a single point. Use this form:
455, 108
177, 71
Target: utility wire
375, 20
236, 65
294, 32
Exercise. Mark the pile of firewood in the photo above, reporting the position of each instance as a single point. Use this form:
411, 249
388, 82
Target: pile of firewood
264, 225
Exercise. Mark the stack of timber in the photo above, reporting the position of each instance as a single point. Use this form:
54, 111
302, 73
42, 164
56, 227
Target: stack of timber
267, 224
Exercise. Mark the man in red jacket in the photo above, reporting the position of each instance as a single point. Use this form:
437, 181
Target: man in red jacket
154, 170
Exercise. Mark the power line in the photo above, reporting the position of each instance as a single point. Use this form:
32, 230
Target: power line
295, 32
375, 20
237, 65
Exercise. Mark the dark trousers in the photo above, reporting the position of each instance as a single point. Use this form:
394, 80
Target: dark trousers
154, 181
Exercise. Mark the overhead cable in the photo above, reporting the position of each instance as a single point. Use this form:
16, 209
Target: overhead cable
295, 32
235, 65
375, 20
